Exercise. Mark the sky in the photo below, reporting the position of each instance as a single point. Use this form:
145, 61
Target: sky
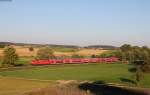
76, 22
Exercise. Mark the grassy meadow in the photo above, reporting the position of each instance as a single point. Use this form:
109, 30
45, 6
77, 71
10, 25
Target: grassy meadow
115, 73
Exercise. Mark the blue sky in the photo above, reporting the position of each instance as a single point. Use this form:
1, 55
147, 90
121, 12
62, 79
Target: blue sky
76, 22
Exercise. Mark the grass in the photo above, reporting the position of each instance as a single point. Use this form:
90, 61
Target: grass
60, 49
0, 61
86, 52
60, 90
105, 72
25, 60
92, 72
22, 60
11, 86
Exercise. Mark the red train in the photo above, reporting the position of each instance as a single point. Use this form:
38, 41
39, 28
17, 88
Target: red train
75, 61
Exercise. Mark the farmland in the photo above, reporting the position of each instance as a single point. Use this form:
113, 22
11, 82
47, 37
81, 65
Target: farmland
26, 56
41, 76
24, 51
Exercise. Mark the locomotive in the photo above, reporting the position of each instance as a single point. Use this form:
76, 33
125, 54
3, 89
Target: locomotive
75, 61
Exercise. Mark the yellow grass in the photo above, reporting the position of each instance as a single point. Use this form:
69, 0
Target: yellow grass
1, 52
22, 52
12, 86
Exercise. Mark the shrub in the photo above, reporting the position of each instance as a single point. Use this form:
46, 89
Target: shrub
93, 56
115, 53
45, 53
31, 49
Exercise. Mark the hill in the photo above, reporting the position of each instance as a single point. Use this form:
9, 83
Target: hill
102, 47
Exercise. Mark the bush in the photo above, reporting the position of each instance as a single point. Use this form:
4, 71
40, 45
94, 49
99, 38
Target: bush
45, 53
31, 49
111, 54
94, 56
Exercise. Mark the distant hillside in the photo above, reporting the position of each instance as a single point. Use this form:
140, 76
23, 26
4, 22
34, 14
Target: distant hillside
60, 46
38, 45
6, 43
102, 47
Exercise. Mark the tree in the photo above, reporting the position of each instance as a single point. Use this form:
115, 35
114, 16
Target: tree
140, 57
146, 54
31, 49
139, 74
134, 53
45, 53
139, 54
129, 55
10, 56
125, 47
93, 56
145, 48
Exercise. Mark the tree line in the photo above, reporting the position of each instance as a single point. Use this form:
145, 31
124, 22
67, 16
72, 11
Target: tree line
139, 57
133, 53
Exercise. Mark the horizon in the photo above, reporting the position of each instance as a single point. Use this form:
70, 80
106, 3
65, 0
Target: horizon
75, 45
56, 44
80, 22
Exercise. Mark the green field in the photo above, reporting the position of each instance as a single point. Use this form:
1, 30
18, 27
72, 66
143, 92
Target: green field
94, 72
22, 60
25, 60
64, 49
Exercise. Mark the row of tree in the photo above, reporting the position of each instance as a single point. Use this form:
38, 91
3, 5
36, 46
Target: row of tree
135, 53
140, 57
129, 53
